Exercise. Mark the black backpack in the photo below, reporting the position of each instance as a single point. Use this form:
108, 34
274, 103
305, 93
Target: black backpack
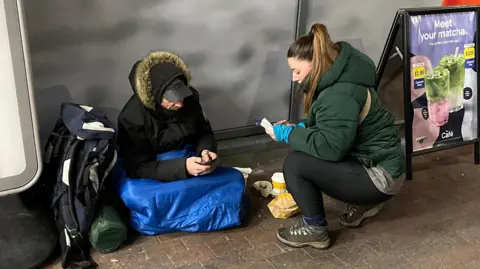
79, 156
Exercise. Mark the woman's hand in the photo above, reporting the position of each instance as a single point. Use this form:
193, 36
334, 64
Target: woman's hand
283, 122
281, 132
271, 134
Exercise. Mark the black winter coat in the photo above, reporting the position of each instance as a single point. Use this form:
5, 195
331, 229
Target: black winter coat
146, 129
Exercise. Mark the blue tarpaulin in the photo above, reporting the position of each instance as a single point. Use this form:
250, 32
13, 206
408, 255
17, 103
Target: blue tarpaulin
200, 204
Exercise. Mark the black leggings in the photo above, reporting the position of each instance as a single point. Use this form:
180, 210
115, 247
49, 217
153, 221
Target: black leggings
307, 177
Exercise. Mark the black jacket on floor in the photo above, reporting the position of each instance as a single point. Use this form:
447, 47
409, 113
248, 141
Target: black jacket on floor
146, 129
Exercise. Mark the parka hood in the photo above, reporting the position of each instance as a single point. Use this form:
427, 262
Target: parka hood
351, 66
149, 83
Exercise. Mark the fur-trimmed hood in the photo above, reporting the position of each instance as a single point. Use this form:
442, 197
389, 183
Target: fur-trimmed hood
172, 67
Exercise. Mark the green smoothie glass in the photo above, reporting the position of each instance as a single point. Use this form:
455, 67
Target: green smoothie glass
437, 89
456, 66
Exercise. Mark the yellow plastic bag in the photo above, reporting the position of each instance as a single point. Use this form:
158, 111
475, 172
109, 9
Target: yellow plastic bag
283, 206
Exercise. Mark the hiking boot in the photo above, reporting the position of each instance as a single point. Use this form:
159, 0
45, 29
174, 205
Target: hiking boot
301, 234
357, 214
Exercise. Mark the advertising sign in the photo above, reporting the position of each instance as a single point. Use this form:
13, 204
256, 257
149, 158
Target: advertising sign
443, 79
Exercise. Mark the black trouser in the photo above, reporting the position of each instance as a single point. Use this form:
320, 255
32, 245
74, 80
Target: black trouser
307, 177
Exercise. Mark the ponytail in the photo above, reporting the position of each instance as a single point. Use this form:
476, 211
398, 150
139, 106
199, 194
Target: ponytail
323, 55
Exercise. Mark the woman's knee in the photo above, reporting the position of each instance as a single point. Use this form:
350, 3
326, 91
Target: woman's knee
292, 165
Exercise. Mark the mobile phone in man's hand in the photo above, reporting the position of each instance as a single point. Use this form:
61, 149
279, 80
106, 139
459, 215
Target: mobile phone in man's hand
210, 162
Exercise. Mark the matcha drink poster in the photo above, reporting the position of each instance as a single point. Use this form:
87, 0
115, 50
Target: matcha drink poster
443, 79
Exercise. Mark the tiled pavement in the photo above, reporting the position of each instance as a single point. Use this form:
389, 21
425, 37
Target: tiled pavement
433, 223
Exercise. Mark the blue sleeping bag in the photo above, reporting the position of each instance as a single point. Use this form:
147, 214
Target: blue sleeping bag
200, 204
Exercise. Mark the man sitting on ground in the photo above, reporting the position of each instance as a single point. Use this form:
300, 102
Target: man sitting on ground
163, 115
169, 181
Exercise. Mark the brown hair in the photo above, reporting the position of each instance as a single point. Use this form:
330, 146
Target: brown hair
321, 51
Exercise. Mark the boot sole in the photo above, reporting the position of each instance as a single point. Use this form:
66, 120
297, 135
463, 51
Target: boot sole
370, 213
317, 245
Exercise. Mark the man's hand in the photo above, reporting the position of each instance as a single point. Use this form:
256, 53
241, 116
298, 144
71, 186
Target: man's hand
195, 166
208, 156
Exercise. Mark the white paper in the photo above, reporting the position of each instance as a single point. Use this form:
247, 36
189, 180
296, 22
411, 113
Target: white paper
266, 124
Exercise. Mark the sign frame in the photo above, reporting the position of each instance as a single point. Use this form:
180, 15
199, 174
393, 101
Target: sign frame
402, 22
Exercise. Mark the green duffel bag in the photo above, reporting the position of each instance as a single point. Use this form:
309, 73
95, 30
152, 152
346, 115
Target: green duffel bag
108, 231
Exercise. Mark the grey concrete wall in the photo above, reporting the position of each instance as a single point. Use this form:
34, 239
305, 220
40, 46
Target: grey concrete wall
82, 51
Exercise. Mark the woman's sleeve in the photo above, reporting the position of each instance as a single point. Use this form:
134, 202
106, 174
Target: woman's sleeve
334, 132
